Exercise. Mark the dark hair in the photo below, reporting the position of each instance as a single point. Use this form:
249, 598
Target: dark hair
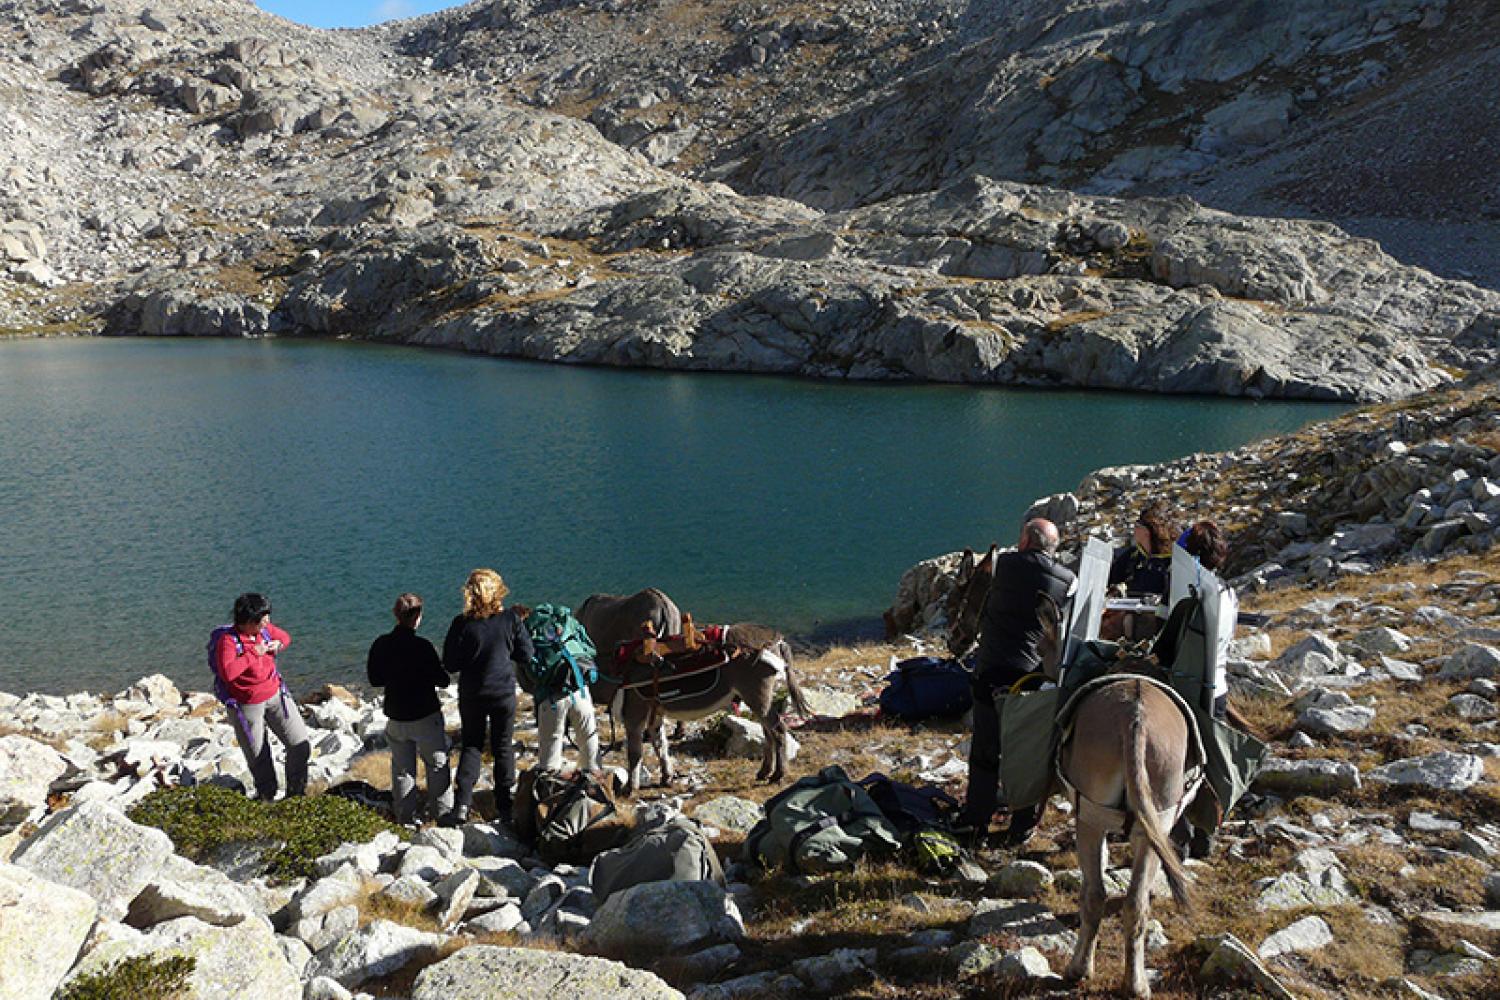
1154, 519
408, 608
1205, 539
251, 608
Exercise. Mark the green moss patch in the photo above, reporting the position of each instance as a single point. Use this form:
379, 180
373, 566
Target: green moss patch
139, 978
204, 818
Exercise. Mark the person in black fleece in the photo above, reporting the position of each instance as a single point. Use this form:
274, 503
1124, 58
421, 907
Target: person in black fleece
407, 667
1008, 639
483, 646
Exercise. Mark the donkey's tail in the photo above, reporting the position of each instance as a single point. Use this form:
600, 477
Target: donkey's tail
784, 651
1142, 806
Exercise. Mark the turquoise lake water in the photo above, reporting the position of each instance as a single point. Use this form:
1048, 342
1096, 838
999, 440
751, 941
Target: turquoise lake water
145, 483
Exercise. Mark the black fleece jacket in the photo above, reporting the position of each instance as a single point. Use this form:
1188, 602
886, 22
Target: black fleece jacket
483, 653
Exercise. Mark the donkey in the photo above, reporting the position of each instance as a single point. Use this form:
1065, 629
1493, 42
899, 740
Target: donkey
758, 657
966, 599
1125, 761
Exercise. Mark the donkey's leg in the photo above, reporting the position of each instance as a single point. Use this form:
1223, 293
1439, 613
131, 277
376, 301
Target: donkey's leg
659, 743
1093, 855
759, 697
774, 754
634, 714
1143, 871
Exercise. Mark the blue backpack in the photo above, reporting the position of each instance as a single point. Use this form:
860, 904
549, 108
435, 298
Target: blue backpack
926, 687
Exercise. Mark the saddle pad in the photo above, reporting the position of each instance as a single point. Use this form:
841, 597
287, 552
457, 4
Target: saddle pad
690, 685
1065, 716
680, 675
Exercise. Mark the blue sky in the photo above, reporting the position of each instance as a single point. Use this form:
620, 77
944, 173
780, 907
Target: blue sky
350, 13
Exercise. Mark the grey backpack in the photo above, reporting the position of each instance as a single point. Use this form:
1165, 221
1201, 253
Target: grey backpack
669, 849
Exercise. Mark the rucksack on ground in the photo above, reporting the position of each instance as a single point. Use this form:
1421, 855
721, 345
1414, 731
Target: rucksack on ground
822, 823
910, 808
568, 816
563, 661
926, 687
668, 849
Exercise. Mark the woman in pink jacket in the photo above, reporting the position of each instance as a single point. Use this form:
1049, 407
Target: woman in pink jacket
251, 687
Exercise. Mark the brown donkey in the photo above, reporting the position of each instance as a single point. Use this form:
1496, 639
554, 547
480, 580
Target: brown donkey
1124, 764
758, 658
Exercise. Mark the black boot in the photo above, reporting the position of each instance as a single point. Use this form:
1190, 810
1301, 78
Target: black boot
457, 816
1201, 845
1022, 823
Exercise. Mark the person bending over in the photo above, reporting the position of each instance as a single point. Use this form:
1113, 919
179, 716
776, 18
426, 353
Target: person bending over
483, 646
407, 667
1009, 633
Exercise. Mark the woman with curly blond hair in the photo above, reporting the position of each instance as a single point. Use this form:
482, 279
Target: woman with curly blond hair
483, 646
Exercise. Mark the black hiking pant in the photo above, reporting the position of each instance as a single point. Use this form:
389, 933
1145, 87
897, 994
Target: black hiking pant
983, 794
497, 717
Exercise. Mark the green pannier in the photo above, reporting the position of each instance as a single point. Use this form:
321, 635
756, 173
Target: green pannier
1028, 745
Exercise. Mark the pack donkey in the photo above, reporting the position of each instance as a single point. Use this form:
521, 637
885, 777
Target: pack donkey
756, 657
1124, 761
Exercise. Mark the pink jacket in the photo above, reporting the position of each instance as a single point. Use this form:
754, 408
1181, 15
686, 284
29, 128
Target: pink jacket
250, 677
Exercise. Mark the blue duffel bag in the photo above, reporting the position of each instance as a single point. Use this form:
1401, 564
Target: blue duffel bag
926, 687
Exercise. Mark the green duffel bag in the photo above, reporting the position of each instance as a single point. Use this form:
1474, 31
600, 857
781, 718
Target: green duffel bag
822, 823
1028, 745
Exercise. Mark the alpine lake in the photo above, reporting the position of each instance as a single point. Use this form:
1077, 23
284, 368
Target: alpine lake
144, 483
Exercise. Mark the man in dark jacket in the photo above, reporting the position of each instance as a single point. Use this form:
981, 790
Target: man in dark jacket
407, 667
1009, 633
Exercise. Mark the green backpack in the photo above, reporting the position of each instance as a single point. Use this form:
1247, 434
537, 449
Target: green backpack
563, 661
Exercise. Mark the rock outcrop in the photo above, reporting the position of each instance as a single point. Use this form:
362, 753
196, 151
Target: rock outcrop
266, 180
535, 975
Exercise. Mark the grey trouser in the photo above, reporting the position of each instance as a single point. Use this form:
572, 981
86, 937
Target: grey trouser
425, 738
279, 713
552, 719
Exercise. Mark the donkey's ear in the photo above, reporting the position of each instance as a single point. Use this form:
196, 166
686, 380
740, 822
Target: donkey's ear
991, 555
1048, 615
966, 564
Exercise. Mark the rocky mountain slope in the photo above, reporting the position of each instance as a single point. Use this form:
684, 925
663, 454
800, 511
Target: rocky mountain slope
1364, 863
203, 168
1270, 108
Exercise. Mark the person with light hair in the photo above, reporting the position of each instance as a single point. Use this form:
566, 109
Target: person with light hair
483, 646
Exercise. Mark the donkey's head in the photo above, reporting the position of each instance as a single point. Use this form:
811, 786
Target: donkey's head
1050, 647
966, 599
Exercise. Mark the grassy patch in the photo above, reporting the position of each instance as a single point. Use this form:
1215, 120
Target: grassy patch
139, 978
204, 817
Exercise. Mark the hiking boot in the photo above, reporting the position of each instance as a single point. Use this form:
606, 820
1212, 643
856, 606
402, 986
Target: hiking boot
1022, 826
1201, 845
457, 816
969, 835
